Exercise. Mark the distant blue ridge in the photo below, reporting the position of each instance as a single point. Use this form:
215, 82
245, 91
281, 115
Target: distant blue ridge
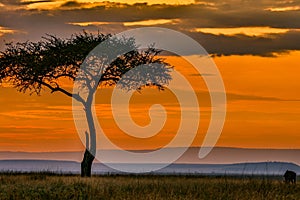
58, 166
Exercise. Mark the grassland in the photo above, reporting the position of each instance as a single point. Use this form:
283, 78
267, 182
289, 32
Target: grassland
51, 186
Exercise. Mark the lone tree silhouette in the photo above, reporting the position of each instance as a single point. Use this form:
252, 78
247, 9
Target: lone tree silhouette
33, 66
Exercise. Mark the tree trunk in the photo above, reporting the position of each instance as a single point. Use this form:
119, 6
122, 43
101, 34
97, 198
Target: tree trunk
90, 151
86, 164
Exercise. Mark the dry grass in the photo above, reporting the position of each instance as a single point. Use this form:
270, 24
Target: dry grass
49, 186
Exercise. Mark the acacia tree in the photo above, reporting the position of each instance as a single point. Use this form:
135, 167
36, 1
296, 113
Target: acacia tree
33, 66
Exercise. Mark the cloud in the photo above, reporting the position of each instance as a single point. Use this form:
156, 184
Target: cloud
29, 133
84, 24
238, 97
230, 5
248, 31
4, 30
202, 75
58, 115
34, 2
71, 4
10, 2
24, 2
282, 9
151, 22
246, 45
231, 27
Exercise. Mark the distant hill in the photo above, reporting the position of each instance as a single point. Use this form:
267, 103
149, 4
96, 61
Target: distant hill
219, 155
261, 168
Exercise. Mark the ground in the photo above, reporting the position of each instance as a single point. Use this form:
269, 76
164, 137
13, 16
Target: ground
52, 186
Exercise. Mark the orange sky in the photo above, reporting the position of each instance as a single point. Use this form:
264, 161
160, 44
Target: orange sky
263, 110
263, 99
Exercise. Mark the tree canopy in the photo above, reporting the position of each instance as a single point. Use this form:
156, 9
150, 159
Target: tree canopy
32, 66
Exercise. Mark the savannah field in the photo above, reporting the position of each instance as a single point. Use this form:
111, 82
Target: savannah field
53, 186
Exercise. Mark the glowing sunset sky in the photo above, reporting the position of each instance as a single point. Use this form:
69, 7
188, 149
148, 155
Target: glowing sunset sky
255, 45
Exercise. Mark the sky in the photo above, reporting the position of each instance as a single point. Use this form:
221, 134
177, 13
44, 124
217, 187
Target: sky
253, 43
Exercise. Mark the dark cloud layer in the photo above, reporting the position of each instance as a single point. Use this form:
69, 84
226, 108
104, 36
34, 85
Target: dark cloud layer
32, 24
18, 2
246, 45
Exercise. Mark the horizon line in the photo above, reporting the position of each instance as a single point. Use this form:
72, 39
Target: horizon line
193, 147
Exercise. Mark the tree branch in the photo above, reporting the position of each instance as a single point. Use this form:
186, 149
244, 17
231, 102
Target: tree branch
58, 89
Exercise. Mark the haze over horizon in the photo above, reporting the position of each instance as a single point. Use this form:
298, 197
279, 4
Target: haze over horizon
218, 155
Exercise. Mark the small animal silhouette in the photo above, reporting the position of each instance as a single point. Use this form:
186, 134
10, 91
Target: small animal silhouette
290, 176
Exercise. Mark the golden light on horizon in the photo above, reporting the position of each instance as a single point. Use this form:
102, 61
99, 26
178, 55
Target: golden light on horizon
151, 22
4, 30
45, 5
90, 4
149, 2
133, 23
249, 31
83, 24
283, 9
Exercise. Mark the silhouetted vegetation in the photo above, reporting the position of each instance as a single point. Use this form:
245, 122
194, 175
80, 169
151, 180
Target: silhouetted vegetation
51, 186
